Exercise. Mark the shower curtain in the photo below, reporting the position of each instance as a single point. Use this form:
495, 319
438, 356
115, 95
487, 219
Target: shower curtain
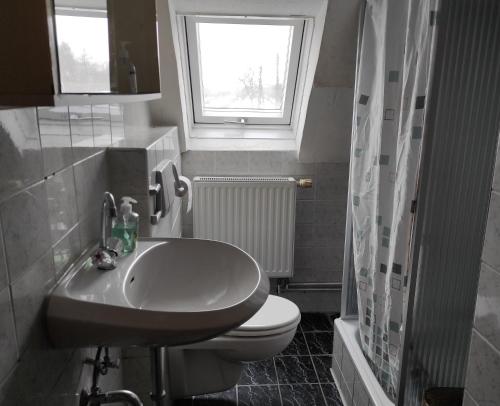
388, 120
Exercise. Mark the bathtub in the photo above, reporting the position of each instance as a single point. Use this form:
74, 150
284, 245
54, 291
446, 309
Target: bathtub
352, 374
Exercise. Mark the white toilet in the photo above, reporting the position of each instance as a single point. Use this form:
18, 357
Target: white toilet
215, 365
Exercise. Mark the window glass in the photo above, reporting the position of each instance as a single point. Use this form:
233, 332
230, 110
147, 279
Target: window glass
243, 66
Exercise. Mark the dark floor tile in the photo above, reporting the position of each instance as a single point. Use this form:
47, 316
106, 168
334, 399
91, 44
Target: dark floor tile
262, 395
319, 343
227, 398
302, 395
315, 322
259, 373
297, 346
295, 369
332, 395
323, 364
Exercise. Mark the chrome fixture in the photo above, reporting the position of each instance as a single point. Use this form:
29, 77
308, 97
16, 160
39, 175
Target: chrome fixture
157, 357
181, 188
95, 397
104, 258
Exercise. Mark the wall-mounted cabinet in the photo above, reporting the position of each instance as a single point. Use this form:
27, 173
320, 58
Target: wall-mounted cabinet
78, 51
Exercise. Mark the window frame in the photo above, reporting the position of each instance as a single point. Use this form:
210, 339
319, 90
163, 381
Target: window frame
282, 117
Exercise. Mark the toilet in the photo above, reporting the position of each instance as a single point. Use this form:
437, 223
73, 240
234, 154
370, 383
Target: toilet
215, 365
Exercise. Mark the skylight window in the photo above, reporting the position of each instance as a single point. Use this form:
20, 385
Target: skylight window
243, 70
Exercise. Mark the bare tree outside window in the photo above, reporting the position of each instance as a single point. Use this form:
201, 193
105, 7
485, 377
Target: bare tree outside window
244, 66
83, 59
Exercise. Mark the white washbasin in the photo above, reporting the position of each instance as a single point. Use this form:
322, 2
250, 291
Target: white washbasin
169, 292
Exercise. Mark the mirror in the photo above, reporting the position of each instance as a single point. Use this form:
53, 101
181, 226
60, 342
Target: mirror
107, 46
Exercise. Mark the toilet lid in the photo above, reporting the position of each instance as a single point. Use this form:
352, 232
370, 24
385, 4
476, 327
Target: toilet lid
275, 314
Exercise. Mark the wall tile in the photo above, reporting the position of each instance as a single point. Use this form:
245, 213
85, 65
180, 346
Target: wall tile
483, 379
152, 162
117, 125
304, 257
8, 346
101, 123
265, 163
468, 401
125, 178
35, 375
55, 138
26, 228
304, 212
320, 224
89, 229
66, 251
332, 180
3, 263
231, 163
292, 166
91, 180
331, 274
28, 294
330, 211
304, 235
491, 253
316, 302
82, 133
160, 151
136, 374
61, 195
20, 150
197, 163
487, 317
327, 234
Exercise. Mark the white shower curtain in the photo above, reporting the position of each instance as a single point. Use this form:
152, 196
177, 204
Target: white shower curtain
388, 120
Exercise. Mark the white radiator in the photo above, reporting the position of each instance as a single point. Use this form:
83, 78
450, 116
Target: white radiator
256, 214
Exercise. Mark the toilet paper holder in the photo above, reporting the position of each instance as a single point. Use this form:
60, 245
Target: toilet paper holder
181, 188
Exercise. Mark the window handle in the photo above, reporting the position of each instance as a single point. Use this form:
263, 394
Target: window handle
242, 120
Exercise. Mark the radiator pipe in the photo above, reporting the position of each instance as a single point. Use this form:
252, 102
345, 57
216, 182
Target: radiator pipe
310, 286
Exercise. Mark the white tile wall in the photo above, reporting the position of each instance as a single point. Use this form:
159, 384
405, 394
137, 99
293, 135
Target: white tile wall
50, 193
320, 212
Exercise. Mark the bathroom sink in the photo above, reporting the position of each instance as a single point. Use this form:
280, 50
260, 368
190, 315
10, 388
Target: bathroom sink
168, 292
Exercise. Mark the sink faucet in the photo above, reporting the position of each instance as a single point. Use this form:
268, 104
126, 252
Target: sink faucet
108, 211
105, 257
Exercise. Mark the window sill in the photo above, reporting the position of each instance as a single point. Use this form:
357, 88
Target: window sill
238, 139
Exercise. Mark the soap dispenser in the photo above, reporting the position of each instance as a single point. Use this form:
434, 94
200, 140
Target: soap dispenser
126, 226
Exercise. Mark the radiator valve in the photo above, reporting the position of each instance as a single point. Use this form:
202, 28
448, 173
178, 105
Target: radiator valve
305, 183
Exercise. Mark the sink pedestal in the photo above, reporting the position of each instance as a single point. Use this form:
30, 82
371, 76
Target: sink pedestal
158, 395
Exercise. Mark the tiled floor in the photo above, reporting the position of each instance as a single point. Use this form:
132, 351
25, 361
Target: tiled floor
299, 376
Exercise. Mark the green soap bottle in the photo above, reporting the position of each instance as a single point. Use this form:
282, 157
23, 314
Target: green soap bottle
126, 226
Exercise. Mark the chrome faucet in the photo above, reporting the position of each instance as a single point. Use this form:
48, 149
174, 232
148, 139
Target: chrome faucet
108, 212
105, 257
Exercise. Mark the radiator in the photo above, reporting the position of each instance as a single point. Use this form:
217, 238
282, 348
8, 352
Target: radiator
256, 214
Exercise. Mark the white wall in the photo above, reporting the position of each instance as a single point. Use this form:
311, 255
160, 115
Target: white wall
327, 130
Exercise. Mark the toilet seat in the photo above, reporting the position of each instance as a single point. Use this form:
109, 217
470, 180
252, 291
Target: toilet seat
264, 335
277, 315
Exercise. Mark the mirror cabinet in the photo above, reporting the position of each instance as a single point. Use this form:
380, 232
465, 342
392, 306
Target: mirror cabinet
63, 51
